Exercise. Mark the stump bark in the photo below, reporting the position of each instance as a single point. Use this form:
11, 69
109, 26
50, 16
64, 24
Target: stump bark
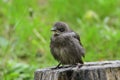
106, 70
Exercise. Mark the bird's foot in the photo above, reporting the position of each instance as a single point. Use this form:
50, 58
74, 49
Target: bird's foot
79, 65
55, 68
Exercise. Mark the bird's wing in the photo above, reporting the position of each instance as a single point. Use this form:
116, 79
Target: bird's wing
77, 43
74, 48
77, 37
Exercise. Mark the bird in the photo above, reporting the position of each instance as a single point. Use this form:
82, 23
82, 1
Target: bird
65, 45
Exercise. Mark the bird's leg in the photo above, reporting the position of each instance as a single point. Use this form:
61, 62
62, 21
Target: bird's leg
58, 66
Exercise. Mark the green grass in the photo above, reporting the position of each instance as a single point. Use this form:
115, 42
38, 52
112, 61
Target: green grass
25, 32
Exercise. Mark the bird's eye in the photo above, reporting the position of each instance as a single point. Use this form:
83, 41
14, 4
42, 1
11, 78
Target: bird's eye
61, 29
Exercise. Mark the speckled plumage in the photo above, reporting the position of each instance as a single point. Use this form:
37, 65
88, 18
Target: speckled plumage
66, 46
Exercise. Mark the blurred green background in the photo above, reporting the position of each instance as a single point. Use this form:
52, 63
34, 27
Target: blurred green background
25, 32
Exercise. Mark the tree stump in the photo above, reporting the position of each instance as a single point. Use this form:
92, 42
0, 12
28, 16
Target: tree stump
106, 70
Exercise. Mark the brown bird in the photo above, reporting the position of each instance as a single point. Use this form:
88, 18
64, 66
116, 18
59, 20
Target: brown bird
65, 45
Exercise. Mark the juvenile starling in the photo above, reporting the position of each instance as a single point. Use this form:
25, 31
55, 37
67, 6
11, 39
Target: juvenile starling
65, 45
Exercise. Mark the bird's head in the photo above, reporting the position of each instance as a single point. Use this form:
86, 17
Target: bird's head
60, 28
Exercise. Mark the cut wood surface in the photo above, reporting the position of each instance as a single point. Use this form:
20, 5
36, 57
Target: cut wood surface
105, 70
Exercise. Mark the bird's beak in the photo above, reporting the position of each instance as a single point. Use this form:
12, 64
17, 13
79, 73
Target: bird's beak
53, 29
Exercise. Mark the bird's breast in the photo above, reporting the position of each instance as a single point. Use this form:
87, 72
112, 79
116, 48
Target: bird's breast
62, 54
59, 41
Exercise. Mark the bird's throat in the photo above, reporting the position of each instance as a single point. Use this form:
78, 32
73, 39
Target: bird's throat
56, 33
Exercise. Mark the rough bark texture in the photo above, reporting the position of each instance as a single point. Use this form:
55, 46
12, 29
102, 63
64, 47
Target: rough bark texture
107, 70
